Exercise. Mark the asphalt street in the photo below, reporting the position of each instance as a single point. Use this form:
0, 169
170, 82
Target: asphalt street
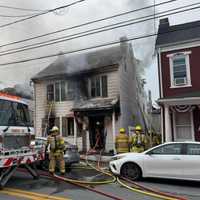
56, 189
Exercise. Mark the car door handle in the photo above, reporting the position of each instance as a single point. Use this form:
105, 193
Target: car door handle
176, 159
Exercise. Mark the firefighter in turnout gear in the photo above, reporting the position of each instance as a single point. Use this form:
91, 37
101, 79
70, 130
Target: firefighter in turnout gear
57, 148
138, 141
122, 142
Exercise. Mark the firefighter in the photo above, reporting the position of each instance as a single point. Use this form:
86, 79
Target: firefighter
122, 142
155, 139
57, 148
138, 141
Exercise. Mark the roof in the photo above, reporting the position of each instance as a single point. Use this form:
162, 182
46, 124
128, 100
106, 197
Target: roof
95, 104
178, 33
75, 64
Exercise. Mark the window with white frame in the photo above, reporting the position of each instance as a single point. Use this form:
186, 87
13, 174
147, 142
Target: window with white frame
180, 69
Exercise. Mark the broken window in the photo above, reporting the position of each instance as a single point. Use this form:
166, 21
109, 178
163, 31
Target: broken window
67, 126
50, 92
57, 91
60, 91
98, 86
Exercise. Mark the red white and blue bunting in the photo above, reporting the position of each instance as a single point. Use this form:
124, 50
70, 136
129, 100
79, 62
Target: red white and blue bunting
182, 108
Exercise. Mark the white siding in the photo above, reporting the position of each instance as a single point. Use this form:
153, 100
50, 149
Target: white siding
40, 103
113, 84
109, 139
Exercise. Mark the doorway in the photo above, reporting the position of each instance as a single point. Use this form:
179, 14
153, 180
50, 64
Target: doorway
96, 132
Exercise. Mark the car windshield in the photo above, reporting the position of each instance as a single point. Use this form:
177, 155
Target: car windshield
14, 114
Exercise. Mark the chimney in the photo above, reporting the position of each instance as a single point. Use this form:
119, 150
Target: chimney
164, 25
124, 45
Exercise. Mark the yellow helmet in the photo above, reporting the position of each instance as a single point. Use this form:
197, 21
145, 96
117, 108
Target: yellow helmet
138, 128
55, 129
122, 130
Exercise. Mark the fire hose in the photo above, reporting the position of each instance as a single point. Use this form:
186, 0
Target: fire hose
138, 188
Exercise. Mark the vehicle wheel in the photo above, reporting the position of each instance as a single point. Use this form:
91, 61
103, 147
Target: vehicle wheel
131, 171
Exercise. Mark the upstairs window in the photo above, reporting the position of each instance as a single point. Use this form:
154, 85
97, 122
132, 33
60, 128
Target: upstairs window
50, 92
60, 91
180, 69
98, 86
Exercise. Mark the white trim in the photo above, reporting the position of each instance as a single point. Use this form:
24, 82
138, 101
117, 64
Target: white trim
177, 46
162, 123
187, 63
160, 72
181, 86
192, 125
179, 99
174, 125
178, 53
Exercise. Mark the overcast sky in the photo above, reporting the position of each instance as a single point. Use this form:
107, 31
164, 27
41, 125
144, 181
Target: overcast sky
77, 14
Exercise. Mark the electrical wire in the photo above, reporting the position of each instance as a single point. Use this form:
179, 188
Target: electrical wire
15, 16
22, 9
88, 23
95, 31
96, 46
40, 14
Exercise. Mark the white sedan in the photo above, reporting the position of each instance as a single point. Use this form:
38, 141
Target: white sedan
174, 160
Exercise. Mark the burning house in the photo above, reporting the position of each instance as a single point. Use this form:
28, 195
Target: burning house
88, 94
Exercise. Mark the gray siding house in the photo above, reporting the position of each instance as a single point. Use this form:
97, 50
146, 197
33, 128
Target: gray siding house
81, 91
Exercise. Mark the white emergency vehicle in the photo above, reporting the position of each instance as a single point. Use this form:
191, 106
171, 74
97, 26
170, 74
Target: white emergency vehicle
17, 138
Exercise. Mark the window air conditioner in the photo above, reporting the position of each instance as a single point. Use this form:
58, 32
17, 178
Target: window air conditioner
180, 81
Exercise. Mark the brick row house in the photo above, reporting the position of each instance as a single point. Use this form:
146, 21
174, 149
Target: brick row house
178, 50
87, 89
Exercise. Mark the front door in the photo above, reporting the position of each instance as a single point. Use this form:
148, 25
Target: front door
183, 126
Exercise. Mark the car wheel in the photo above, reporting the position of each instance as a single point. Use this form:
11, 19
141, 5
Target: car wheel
131, 171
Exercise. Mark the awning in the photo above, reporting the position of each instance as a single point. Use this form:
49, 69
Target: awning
96, 104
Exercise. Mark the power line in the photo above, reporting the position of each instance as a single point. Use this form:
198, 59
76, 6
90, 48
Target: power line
97, 46
88, 23
22, 9
40, 14
98, 30
15, 16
